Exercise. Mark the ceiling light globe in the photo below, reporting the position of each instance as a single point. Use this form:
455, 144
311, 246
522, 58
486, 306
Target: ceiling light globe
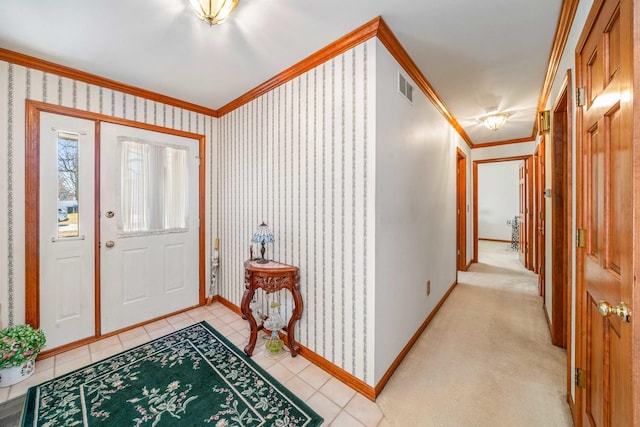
495, 121
213, 11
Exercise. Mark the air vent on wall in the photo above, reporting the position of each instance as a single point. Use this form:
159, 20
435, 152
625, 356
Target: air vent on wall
405, 88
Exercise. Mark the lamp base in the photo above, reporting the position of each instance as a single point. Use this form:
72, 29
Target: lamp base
262, 260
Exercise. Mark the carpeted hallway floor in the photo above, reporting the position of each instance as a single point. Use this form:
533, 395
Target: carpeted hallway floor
486, 359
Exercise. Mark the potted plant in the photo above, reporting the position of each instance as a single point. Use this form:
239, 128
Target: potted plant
19, 347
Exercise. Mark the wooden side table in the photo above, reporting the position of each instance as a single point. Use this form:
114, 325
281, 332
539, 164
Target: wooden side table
271, 277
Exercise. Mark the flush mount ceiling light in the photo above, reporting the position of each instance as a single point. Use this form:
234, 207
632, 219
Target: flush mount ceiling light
494, 121
213, 11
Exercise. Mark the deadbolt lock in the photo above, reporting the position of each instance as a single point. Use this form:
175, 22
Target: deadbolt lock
109, 214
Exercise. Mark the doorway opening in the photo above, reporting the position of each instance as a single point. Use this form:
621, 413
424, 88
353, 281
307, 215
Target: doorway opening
461, 209
497, 204
561, 246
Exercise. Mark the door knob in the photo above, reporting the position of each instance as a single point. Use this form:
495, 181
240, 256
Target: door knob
621, 310
110, 243
109, 214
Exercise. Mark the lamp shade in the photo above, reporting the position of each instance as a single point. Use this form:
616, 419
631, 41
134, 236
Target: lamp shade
213, 11
263, 235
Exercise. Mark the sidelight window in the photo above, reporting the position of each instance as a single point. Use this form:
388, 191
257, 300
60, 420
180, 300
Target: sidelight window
68, 185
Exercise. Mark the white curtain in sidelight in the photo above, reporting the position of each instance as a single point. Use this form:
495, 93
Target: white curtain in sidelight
153, 187
175, 203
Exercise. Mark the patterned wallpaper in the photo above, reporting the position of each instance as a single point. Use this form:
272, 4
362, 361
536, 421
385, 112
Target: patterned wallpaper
302, 159
18, 83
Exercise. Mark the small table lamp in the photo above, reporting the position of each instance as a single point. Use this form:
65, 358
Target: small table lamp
262, 235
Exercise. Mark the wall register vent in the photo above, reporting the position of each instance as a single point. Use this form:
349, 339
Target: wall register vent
405, 88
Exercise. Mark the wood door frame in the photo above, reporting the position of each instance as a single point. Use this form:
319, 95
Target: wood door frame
461, 205
529, 179
32, 204
561, 230
475, 195
540, 217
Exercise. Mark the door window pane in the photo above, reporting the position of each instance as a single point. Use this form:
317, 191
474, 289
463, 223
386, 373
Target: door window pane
153, 187
68, 185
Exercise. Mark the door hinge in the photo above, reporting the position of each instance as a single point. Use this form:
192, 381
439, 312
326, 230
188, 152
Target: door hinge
458, 252
581, 237
579, 378
580, 97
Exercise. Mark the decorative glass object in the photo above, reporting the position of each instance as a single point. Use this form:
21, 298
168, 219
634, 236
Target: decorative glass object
274, 323
254, 306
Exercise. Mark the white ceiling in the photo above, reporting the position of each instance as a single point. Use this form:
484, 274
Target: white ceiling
476, 54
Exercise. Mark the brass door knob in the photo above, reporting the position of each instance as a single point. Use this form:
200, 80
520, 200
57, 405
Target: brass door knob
110, 243
621, 310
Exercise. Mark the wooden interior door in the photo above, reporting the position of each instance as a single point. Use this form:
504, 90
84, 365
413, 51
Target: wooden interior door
461, 206
522, 234
605, 178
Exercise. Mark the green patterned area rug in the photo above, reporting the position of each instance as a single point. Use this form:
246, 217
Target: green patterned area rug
191, 377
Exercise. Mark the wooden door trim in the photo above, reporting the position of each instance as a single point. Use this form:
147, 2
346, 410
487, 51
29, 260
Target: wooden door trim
96, 252
461, 201
563, 247
528, 179
561, 234
540, 217
475, 195
32, 199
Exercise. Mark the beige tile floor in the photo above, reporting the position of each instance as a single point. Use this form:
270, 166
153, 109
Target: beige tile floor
339, 405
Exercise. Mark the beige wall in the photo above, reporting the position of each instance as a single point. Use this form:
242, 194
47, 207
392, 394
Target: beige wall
415, 211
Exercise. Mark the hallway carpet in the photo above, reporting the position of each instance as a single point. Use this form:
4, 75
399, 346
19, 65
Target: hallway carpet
486, 359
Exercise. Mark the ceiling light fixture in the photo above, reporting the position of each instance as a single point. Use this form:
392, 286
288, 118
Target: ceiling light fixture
213, 11
494, 121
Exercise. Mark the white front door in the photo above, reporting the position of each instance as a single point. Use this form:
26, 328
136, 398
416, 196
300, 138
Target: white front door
67, 206
149, 225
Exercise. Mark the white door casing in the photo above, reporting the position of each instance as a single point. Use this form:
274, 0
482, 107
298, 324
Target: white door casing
145, 275
67, 268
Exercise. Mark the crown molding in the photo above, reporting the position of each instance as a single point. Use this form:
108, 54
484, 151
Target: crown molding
391, 42
50, 67
377, 27
567, 14
505, 142
343, 44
